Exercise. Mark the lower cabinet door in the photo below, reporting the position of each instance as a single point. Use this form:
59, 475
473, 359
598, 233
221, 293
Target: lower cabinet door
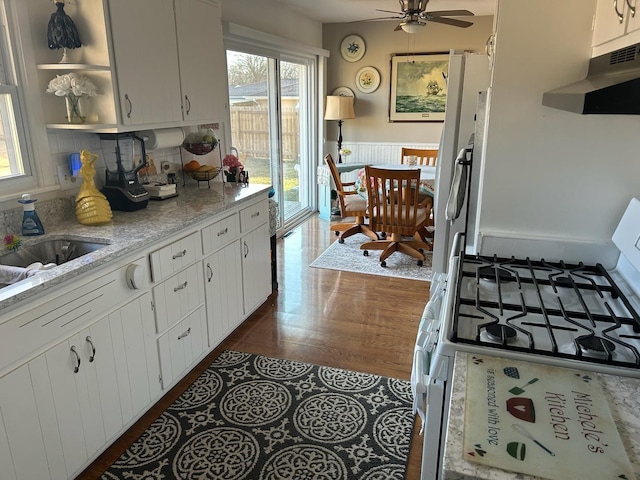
181, 346
256, 268
223, 292
22, 448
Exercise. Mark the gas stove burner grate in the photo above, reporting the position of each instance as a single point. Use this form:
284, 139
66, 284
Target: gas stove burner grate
495, 274
501, 333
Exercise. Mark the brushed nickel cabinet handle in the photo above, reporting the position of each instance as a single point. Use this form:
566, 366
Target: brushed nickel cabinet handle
632, 8
93, 348
210, 273
185, 334
618, 13
223, 232
76, 369
246, 249
179, 254
130, 109
180, 287
254, 215
186, 98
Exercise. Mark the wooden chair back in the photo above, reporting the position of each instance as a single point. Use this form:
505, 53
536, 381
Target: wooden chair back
423, 157
351, 208
393, 201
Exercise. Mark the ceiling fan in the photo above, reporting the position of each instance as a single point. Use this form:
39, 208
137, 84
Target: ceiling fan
414, 16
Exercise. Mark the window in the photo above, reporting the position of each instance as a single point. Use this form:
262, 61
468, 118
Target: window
13, 158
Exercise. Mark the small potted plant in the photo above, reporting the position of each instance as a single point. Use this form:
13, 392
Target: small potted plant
232, 167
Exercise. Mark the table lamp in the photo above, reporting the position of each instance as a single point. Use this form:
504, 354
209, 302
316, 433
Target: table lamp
339, 108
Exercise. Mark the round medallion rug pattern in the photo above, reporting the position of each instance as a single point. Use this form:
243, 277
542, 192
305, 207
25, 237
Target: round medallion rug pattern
254, 417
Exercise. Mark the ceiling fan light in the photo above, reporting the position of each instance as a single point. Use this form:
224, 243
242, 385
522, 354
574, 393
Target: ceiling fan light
411, 27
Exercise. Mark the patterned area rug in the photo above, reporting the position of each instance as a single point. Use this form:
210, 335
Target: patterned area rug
259, 418
348, 257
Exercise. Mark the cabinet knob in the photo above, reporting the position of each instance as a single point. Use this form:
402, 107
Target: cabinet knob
136, 277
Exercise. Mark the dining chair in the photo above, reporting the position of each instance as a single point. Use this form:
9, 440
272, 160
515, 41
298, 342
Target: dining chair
394, 208
351, 205
427, 189
423, 157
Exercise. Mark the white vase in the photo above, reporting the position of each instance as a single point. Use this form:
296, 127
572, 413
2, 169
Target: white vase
75, 111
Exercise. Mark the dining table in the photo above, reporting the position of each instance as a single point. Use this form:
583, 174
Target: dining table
427, 172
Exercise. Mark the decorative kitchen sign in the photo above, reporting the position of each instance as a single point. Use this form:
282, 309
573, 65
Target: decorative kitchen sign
540, 420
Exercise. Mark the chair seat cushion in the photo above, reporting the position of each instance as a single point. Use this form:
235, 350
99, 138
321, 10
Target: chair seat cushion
355, 203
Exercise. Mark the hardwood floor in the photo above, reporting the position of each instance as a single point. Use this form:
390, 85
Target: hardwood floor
365, 323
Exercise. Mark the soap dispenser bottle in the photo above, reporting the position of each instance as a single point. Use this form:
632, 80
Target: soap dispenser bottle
31, 224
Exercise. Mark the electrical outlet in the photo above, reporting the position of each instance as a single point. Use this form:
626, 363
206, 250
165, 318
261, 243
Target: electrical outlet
65, 179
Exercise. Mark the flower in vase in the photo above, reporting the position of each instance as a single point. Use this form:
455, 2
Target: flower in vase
232, 164
72, 84
344, 152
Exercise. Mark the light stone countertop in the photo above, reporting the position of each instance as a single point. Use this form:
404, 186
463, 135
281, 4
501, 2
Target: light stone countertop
130, 231
624, 402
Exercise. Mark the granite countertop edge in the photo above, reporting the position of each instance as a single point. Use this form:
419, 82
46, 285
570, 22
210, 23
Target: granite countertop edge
129, 232
623, 401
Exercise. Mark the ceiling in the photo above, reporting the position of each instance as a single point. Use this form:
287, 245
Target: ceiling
340, 11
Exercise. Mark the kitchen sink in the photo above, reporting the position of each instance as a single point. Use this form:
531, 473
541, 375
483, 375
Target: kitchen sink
53, 251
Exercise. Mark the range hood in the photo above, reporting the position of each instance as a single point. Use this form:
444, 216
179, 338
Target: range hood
612, 86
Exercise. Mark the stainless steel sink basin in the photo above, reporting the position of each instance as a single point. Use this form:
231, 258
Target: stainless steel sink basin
56, 251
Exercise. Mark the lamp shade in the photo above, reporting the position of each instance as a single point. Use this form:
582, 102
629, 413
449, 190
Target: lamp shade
411, 27
339, 108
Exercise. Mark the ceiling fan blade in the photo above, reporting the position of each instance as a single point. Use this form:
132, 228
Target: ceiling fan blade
450, 13
399, 27
376, 19
450, 21
390, 11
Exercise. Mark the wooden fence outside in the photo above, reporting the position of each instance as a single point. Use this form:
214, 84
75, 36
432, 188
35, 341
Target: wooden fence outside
250, 127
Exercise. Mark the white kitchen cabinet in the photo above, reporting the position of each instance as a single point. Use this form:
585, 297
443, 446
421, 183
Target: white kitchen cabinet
178, 295
181, 346
22, 450
256, 268
615, 19
202, 60
131, 53
223, 287
146, 55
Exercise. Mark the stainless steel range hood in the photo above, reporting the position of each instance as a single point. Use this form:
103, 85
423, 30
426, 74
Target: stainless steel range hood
612, 86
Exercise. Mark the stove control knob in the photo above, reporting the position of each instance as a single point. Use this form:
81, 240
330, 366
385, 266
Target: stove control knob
136, 277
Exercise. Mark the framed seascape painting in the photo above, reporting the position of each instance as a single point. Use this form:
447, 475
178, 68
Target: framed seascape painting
418, 88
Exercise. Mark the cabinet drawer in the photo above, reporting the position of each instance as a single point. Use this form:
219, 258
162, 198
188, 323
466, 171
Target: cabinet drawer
177, 296
175, 257
254, 216
181, 346
220, 233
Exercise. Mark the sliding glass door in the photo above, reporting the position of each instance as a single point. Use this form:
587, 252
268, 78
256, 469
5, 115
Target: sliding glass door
269, 101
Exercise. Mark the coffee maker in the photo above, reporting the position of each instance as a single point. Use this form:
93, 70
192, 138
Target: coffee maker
123, 159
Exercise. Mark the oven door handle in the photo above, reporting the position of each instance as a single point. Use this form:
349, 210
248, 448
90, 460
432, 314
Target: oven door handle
420, 384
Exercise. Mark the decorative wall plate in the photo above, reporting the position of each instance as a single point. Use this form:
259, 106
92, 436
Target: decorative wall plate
344, 92
352, 48
367, 79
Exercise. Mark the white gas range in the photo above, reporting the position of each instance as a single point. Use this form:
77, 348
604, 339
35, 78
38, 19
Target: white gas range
577, 315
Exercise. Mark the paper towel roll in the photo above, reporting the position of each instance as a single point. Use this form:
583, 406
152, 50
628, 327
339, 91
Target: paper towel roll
162, 138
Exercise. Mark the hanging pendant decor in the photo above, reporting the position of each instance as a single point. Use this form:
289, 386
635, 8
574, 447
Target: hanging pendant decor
62, 32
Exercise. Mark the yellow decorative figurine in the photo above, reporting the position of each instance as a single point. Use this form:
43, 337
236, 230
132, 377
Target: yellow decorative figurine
92, 207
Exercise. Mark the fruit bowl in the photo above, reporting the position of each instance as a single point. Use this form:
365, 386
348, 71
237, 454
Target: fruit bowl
200, 148
204, 176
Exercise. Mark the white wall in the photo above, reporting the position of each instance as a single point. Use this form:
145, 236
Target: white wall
548, 172
274, 18
372, 109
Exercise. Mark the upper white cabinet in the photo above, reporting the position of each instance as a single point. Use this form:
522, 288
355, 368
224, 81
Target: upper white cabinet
202, 59
146, 56
155, 63
615, 19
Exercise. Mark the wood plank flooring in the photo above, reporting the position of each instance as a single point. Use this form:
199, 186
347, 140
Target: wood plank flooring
358, 322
